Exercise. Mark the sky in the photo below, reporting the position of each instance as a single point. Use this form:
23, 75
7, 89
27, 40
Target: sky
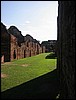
36, 18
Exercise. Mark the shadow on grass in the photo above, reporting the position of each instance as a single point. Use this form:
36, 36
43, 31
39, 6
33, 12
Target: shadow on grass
51, 56
43, 87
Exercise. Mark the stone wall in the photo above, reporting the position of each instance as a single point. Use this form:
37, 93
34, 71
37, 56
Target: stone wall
5, 44
43, 49
66, 48
15, 31
49, 45
25, 49
12, 48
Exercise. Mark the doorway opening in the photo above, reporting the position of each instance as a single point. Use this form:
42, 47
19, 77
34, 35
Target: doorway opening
24, 54
14, 54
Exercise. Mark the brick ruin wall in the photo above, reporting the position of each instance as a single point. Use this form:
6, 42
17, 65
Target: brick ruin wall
10, 49
24, 51
66, 48
5, 45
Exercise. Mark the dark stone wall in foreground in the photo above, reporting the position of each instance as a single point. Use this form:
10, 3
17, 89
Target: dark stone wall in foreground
66, 48
5, 45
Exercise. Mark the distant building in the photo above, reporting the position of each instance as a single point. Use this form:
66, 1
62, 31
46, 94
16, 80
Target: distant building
50, 45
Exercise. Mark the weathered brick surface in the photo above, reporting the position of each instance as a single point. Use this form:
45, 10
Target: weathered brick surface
5, 45
12, 48
66, 48
15, 31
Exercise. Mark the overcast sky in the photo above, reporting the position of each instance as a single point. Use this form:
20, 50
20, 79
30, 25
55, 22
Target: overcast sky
37, 18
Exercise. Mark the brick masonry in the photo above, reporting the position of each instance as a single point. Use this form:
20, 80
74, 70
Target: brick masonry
5, 45
12, 48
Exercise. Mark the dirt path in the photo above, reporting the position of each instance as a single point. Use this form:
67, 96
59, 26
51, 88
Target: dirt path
3, 75
25, 65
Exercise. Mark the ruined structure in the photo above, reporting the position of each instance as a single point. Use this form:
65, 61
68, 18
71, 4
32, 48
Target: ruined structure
14, 31
16, 46
49, 45
66, 48
5, 44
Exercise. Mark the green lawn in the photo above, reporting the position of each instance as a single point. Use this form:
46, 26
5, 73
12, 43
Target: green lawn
23, 70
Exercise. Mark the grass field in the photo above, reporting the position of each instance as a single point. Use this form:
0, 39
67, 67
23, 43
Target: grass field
23, 70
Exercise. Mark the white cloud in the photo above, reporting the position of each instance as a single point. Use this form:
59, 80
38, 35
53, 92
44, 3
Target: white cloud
27, 22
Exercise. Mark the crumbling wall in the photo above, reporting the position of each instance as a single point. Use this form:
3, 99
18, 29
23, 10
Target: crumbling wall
16, 46
66, 48
49, 45
5, 44
43, 49
13, 47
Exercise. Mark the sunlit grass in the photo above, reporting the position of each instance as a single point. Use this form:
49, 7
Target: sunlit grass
23, 70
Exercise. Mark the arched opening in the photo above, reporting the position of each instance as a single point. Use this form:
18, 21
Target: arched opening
14, 54
30, 53
24, 54
37, 49
27, 44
